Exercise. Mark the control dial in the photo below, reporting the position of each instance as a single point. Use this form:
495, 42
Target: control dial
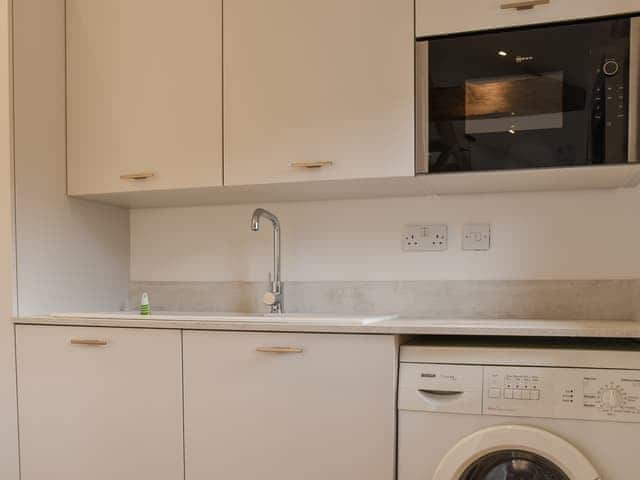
610, 68
611, 397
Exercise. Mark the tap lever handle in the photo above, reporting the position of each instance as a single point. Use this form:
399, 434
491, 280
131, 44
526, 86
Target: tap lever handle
270, 298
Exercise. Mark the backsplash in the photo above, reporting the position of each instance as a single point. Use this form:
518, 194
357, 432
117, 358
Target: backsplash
535, 236
562, 255
539, 299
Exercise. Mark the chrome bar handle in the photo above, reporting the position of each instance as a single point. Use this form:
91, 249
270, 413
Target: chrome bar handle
326, 163
137, 176
528, 5
88, 341
279, 350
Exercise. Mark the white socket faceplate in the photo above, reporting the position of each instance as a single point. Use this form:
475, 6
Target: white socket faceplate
425, 238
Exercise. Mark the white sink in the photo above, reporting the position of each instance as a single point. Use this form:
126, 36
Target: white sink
299, 318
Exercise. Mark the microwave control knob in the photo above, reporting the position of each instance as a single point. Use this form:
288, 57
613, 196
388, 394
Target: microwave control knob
610, 68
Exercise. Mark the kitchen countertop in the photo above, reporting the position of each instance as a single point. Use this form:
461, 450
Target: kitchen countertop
389, 326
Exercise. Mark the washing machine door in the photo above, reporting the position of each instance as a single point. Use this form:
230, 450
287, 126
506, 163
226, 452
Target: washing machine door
514, 452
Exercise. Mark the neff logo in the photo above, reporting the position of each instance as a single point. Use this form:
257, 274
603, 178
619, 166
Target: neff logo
520, 59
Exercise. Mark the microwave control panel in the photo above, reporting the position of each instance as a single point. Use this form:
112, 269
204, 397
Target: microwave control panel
610, 108
570, 393
610, 93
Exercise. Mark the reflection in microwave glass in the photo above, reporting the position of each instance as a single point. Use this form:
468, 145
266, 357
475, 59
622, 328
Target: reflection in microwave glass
514, 103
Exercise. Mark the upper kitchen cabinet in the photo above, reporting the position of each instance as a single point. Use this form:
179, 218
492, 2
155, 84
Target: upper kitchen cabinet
436, 17
318, 90
144, 95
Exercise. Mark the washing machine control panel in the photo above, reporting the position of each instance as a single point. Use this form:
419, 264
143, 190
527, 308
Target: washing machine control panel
571, 393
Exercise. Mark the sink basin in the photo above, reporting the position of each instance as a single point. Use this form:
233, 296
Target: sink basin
299, 318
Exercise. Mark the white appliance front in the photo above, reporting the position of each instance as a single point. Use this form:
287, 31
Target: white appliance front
505, 451
495, 422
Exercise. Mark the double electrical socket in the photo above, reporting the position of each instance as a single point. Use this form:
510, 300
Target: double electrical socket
435, 238
425, 238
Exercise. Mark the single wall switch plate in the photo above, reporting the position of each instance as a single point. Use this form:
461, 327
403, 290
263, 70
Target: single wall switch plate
424, 238
476, 237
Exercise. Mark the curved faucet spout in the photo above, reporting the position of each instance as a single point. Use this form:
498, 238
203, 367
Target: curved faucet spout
276, 286
261, 212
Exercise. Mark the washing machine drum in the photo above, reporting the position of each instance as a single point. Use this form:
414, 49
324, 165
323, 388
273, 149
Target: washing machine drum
511, 465
514, 452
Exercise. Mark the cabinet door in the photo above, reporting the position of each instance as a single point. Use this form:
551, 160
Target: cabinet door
144, 94
436, 17
323, 408
325, 84
99, 412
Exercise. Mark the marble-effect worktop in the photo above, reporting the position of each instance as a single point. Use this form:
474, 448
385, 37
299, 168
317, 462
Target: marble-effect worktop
388, 326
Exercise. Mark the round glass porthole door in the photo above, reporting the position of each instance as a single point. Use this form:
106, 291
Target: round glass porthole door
513, 465
514, 452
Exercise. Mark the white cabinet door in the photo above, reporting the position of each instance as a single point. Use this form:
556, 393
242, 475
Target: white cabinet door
437, 17
324, 410
144, 94
99, 412
318, 83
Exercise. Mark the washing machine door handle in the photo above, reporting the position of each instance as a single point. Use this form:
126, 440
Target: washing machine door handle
440, 393
515, 438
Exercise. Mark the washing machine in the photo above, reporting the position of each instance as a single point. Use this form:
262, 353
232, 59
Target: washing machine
512, 409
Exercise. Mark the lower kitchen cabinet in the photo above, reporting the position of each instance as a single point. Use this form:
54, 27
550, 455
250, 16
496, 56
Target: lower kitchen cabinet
289, 406
99, 403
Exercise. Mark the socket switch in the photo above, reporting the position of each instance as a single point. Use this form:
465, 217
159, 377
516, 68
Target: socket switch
476, 237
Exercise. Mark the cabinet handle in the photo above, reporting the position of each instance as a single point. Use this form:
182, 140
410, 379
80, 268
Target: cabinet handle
137, 176
326, 163
528, 5
279, 350
88, 341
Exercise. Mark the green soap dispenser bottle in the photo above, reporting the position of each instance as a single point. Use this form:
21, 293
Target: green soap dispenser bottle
145, 307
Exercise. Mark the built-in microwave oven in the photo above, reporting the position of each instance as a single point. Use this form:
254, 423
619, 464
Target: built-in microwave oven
557, 95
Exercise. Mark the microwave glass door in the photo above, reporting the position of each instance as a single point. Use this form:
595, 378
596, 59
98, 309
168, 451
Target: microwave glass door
551, 96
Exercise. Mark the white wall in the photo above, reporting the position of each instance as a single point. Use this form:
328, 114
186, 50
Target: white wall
72, 255
8, 427
550, 235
